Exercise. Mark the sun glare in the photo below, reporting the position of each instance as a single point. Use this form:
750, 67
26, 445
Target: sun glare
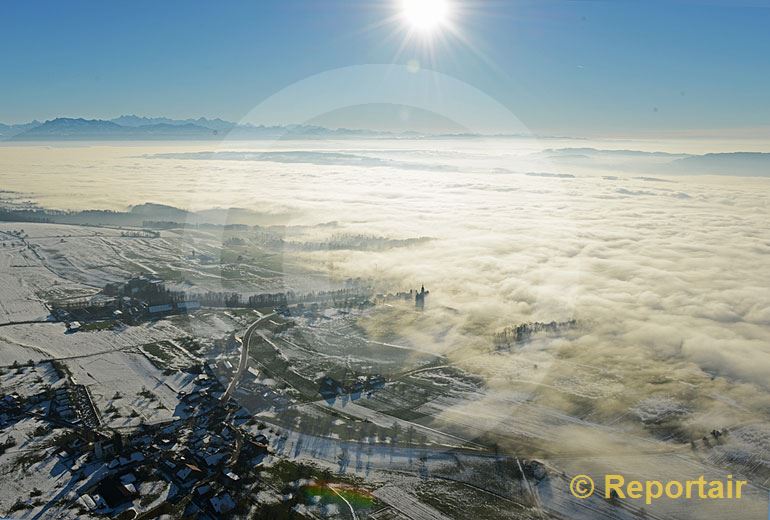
425, 16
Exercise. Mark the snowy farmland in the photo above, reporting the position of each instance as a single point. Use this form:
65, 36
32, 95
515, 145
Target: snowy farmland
59, 262
18, 298
51, 340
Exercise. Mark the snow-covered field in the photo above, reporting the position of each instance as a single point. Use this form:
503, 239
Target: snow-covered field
127, 388
18, 298
60, 260
57, 262
51, 340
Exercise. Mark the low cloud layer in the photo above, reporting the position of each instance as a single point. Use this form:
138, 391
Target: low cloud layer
667, 273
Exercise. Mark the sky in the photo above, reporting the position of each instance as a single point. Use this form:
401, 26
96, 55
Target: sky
577, 67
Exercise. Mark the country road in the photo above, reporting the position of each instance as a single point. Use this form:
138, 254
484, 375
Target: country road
244, 361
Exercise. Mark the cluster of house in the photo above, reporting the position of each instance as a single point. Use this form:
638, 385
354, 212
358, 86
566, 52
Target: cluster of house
10, 402
63, 407
11, 407
254, 394
197, 456
351, 385
140, 298
196, 462
64, 403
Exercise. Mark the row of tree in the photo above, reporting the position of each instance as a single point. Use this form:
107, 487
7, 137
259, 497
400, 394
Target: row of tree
524, 331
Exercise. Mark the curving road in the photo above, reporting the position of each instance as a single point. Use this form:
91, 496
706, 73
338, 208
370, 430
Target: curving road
244, 361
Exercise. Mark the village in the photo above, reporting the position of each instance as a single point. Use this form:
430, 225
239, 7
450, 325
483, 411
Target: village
198, 459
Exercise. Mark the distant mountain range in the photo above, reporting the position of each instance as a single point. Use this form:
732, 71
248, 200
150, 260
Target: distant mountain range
8, 131
137, 121
136, 128
131, 127
742, 164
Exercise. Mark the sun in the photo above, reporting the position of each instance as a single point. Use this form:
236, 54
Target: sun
425, 16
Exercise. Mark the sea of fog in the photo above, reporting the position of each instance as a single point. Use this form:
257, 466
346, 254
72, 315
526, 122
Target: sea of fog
670, 266
665, 269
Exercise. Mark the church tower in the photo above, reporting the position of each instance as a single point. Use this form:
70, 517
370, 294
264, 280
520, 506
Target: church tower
419, 298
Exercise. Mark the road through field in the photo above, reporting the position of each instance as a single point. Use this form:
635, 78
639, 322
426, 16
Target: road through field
243, 363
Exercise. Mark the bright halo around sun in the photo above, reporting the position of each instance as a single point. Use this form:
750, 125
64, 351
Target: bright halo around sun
425, 16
